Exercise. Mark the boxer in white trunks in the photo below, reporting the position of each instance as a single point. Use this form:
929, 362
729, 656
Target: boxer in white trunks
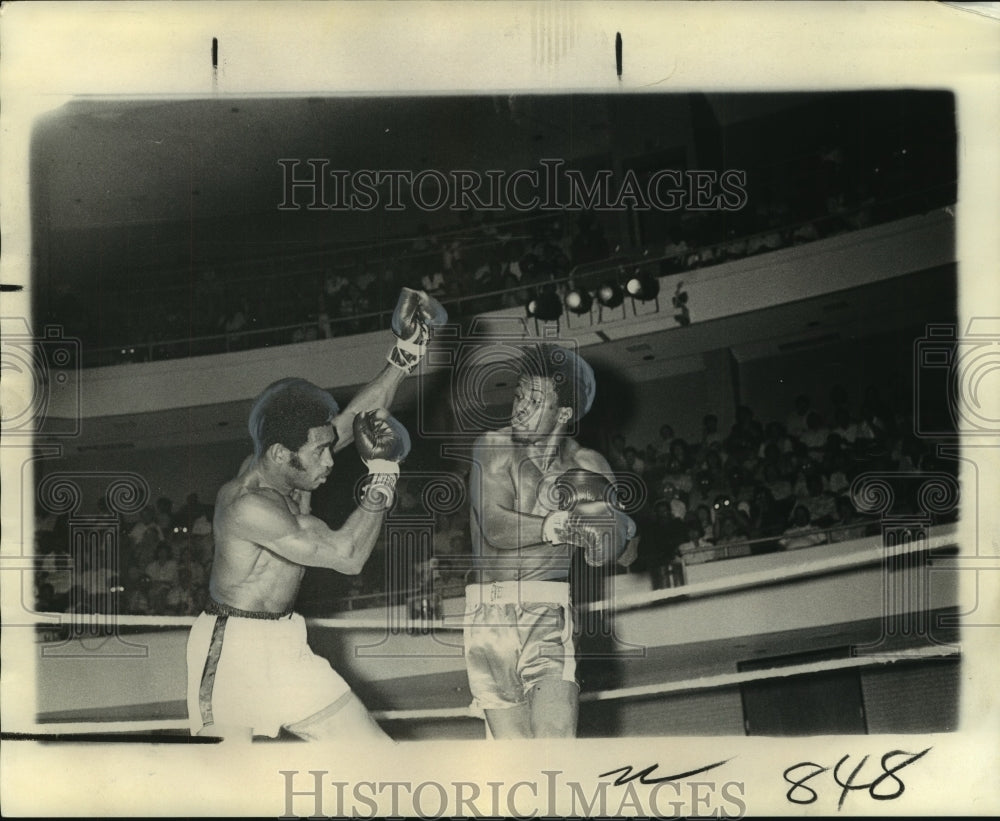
250, 669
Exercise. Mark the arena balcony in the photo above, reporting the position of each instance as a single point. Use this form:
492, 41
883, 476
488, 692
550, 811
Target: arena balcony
592, 293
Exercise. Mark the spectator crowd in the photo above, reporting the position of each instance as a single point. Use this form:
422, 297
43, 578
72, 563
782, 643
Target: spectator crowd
770, 486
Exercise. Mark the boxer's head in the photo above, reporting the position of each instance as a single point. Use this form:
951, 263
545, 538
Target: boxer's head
555, 388
291, 422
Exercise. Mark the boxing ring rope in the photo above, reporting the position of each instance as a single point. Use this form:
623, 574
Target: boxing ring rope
691, 685
870, 551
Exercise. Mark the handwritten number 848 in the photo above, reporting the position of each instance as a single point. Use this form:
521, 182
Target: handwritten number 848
885, 787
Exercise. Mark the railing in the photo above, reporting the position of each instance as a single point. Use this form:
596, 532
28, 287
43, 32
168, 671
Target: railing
670, 577
712, 551
588, 276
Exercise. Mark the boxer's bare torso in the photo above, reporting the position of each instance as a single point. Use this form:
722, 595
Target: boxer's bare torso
247, 575
516, 477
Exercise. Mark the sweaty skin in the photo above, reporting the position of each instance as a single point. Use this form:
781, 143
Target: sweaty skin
509, 467
264, 535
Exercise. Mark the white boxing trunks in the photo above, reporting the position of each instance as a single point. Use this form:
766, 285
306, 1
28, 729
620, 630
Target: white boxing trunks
516, 633
255, 670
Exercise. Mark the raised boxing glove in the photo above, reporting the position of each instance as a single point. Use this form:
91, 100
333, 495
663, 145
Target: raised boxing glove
416, 313
381, 440
382, 443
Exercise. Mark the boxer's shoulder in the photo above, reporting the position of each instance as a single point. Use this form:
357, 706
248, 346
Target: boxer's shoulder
240, 500
586, 458
494, 449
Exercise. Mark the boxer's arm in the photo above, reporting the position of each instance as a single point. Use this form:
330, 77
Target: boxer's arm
416, 314
304, 539
491, 494
379, 393
592, 460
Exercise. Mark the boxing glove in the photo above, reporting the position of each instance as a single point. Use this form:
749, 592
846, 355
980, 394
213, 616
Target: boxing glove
381, 440
587, 516
416, 313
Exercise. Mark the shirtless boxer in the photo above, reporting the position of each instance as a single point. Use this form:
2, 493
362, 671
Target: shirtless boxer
250, 670
536, 496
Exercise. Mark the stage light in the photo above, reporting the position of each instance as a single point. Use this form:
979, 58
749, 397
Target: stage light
610, 295
546, 306
578, 301
643, 287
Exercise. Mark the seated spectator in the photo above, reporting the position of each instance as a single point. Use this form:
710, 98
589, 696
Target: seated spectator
733, 531
485, 277
446, 528
162, 572
666, 437
705, 490
846, 429
710, 430
202, 544
674, 256
335, 287
433, 283
847, 524
815, 435
736, 244
837, 469
703, 513
90, 593
765, 520
802, 532
674, 476
190, 511
693, 551
45, 600
187, 563
817, 500
680, 456
747, 430
651, 455
778, 478
55, 569
739, 489
323, 323
674, 498
164, 515
807, 232
146, 525
511, 277
139, 598
723, 508
184, 598
633, 462
776, 438
796, 422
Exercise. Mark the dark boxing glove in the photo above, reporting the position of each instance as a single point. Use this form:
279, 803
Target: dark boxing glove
382, 443
587, 515
381, 440
416, 313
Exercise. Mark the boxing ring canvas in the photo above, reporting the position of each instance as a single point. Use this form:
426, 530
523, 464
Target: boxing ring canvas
297, 152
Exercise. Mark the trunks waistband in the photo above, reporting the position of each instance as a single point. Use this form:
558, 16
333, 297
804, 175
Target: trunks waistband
518, 592
216, 608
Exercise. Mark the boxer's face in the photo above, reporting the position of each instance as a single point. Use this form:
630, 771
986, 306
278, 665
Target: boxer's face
312, 463
535, 413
